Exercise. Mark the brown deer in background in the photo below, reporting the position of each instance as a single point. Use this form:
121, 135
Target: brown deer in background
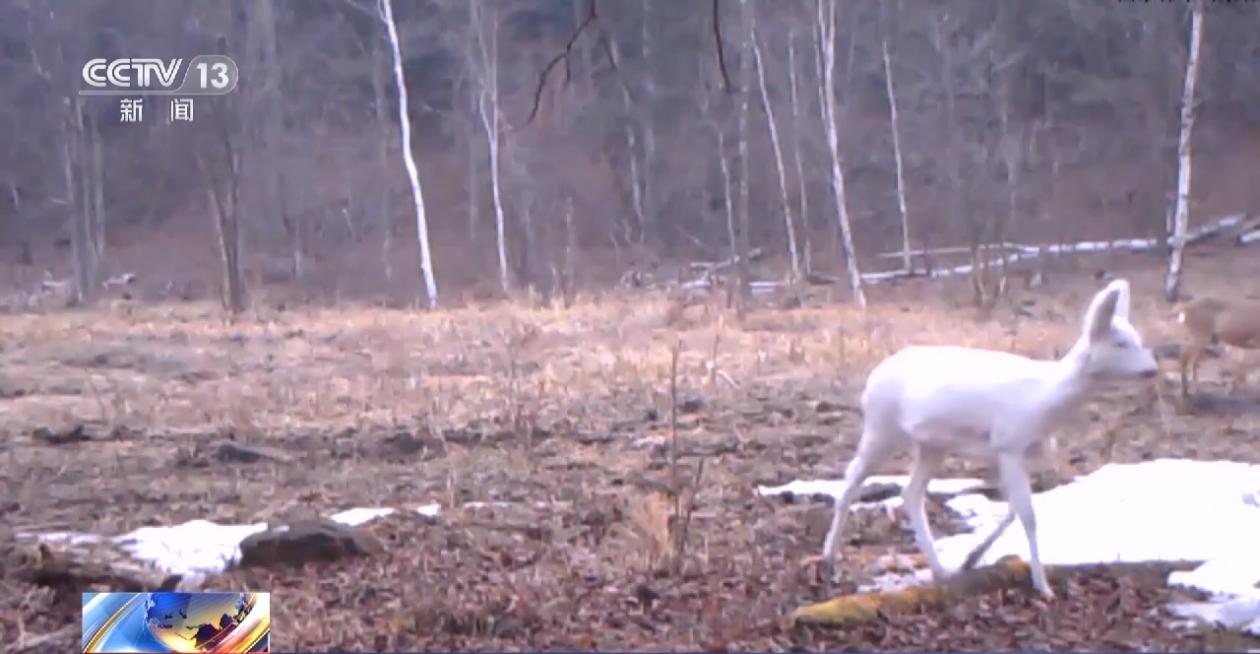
1209, 321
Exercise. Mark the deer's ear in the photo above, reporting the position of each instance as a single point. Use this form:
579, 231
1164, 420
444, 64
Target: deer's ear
1101, 311
1121, 287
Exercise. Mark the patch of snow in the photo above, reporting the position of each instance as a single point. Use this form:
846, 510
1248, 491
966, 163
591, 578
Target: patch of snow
1233, 573
1162, 510
1236, 614
360, 515
67, 537
834, 488
486, 505
192, 549
198, 548
645, 442
428, 510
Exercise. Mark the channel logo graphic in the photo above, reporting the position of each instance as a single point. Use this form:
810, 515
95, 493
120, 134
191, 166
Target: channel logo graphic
204, 75
176, 622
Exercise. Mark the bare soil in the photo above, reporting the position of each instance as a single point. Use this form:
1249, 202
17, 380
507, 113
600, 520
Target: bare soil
560, 421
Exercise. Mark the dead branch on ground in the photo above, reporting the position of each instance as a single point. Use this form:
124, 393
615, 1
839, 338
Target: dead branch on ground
1009, 572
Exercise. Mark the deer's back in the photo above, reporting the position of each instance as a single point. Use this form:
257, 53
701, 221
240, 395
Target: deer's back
954, 397
1233, 323
1240, 325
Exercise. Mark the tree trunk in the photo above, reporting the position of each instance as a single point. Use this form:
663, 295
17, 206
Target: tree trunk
570, 255
413, 175
901, 179
490, 120
79, 204
632, 234
84, 271
1172, 284
789, 227
808, 258
819, 73
380, 66
827, 28
745, 220
1012, 158
474, 182
268, 103
223, 198
649, 131
98, 192
732, 291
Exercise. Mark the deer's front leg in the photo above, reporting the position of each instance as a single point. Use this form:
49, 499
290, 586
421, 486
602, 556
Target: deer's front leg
1018, 490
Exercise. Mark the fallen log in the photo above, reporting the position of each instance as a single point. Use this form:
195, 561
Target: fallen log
1018, 252
712, 266
1008, 572
85, 568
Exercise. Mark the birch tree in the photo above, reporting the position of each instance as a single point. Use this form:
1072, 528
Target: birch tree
778, 149
413, 176
490, 121
896, 140
808, 256
827, 35
637, 184
1172, 284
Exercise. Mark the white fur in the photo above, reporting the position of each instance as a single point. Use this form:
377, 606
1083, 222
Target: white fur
994, 406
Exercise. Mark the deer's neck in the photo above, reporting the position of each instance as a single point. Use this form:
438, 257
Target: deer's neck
1070, 384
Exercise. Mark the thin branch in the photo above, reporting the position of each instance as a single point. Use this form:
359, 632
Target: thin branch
591, 17
721, 53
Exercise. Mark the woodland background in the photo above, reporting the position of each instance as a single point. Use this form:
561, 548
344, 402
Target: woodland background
561, 144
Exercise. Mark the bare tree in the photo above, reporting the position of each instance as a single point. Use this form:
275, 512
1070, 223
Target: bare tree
637, 183
266, 101
224, 192
778, 149
96, 177
646, 124
808, 255
1172, 283
413, 175
745, 184
380, 68
79, 202
827, 35
896, 141
490, 119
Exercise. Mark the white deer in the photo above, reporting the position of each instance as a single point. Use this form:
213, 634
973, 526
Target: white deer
993, 406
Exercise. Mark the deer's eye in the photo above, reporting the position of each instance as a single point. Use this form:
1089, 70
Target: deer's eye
1124, 345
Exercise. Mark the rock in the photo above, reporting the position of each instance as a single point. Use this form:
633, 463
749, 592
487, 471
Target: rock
306, 541
827, 406
76, 434
404, 444
811, 440
234, 452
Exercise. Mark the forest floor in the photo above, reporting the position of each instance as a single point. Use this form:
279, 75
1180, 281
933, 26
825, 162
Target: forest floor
545, 436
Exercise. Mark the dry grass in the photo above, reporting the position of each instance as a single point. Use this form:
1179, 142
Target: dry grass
561, 416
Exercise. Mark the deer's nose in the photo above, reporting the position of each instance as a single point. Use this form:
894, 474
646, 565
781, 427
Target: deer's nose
1147, 374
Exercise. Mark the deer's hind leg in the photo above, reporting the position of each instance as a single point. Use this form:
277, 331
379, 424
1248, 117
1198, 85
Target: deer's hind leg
873, 450
926, 462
